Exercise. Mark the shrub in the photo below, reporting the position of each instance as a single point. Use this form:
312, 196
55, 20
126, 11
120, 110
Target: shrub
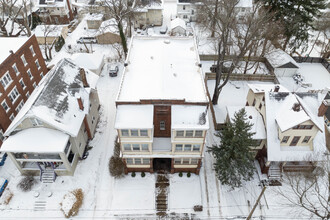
27, 183
198, 208
143, 174
116, 148
8, 196
59, 43
180, 174
188, 174
72, 203
116, 167
133, 174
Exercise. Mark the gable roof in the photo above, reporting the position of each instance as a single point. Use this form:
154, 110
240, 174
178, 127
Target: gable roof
280, 59
49, 30
8, 44
178, 22
54, 101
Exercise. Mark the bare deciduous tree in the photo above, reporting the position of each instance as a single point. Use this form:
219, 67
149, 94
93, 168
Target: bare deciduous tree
308, 192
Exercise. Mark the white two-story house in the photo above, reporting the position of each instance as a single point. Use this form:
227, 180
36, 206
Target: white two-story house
162, 106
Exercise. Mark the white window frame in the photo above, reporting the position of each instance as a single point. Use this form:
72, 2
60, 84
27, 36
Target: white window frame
1, 135
21, 82
29, 74
34, 85
134, 161
131, 147
32, 51
24, 60
37, 64
185, 134
14, 92
184, 158
27, 94
20, 106
14, 66
42, 75
6, 80
12, 117
4, 102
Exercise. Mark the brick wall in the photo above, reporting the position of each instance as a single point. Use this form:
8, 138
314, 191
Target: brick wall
6, 67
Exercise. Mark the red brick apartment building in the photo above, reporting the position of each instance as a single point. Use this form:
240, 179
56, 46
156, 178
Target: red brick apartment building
21, 69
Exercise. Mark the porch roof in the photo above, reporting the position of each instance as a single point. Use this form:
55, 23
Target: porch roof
134, 116
189, 117
36, 140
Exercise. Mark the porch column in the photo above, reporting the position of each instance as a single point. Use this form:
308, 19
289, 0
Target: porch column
151, 165
198, 166
17, 164
172, 166
66, 162
125, 166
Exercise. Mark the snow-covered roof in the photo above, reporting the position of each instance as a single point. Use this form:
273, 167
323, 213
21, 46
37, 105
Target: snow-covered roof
280, 59
151, 5
253, 117
10, 43
262, 88
54, 100
310, 103
94, 17
162, 68
36, 140
91, 61
51, 3
134, 116
48, 30
189, 117
109, 26
245, 4
178, 22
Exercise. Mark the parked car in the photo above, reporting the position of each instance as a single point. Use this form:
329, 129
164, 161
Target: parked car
113, 70
163, 30
87, 40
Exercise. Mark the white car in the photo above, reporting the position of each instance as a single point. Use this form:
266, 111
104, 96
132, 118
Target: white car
87, 40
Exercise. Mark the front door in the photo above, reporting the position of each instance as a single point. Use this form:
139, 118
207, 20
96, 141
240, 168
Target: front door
162, 121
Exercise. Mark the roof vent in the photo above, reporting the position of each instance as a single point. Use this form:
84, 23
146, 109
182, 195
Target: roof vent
277, 88
12, 52
167, 41
296, 107
250, 117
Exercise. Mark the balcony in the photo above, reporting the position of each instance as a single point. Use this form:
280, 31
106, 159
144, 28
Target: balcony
162, 145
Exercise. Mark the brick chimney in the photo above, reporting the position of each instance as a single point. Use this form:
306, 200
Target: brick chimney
323, 108
277, 88
80, 103
296, 107
83, 77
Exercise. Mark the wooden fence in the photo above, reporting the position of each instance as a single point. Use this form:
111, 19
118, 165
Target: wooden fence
323, 61
246, 77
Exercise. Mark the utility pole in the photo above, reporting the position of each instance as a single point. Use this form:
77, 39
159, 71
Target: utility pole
255, 205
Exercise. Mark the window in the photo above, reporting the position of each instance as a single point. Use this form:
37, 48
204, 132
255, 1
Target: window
13, 95
198, 133
6, 80
285, 139
129, 160
124, 132
192, 12
177, 161
144, 147
243, 9
146, 161
32, 51
41, 75
260, 106
137, 161
303, 127
5, 106
27, 94
136, 147
15, 69
144, 133
189, 133
196, 147
254, 102
1, 136
23, 60
37, 64
34, 84
29, 73
184, 7
22, 83
127, 147
19, 107
162, 125
263, 98
308, 126
187, 147
306, 139
12, 117
294, 140
178, 147
185, 16
185, 161
194, 161
135, 133
179, 133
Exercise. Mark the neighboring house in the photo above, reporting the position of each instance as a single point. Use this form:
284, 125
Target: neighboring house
281, 63
91, 61
52, 130
178, 27
108, 32
21, 69
94, 20
186, 10
56, 11
151, 14
162, 106
50, 33
254, 118
295, 130
243, 8
326, 110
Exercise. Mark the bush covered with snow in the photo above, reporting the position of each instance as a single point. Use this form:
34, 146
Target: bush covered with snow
72, 202
116, 164
26, 183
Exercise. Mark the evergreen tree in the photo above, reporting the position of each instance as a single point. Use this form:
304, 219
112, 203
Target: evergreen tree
234, 161
297, 17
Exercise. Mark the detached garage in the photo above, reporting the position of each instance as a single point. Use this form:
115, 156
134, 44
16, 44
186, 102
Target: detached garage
92, 61
281, 63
